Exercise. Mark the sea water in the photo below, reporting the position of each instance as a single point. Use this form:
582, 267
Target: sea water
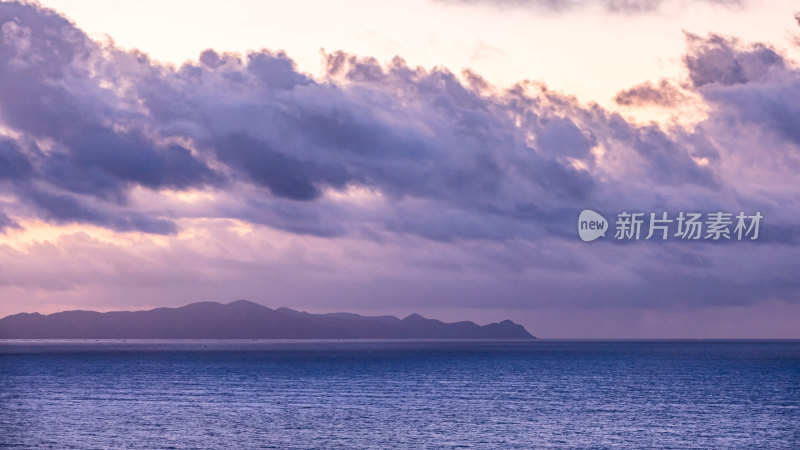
399, 394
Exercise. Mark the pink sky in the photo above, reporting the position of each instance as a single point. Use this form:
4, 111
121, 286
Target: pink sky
434, 166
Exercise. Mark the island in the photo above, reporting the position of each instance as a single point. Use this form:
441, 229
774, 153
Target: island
243, 319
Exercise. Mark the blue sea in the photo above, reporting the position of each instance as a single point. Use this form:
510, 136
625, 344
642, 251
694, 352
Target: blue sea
399, 394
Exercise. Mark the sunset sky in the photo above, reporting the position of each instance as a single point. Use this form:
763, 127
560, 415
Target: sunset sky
426, 156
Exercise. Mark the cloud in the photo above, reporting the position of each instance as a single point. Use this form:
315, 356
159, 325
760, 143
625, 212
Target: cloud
669, 162
63, 209
6, 222
14, 164
613, 6
664, 94
56, 89
115, 120
722, 61
283, 175
435, 177
749, 84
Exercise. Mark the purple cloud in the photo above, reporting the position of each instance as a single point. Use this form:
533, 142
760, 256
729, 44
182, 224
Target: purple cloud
491, 179
664, 94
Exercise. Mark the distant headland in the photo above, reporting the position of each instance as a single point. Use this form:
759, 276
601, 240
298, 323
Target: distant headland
243, 319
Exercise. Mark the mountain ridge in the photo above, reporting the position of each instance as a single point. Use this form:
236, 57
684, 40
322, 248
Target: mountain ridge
243, 319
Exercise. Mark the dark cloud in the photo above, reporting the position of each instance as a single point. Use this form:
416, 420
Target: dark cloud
6, 223
275, 71
668, 161
749, 83
284, 176
664, 94
131, 158
561, 137
66, 209
14, 164
50, 88
719, 60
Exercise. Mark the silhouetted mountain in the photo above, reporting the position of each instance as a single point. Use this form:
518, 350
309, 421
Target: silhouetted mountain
242, 320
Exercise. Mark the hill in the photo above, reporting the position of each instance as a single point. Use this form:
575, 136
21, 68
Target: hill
243, 319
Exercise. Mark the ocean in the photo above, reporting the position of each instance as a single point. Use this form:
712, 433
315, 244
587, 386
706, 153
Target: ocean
399, 394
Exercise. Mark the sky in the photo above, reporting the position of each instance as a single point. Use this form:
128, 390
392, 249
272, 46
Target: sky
427, 156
